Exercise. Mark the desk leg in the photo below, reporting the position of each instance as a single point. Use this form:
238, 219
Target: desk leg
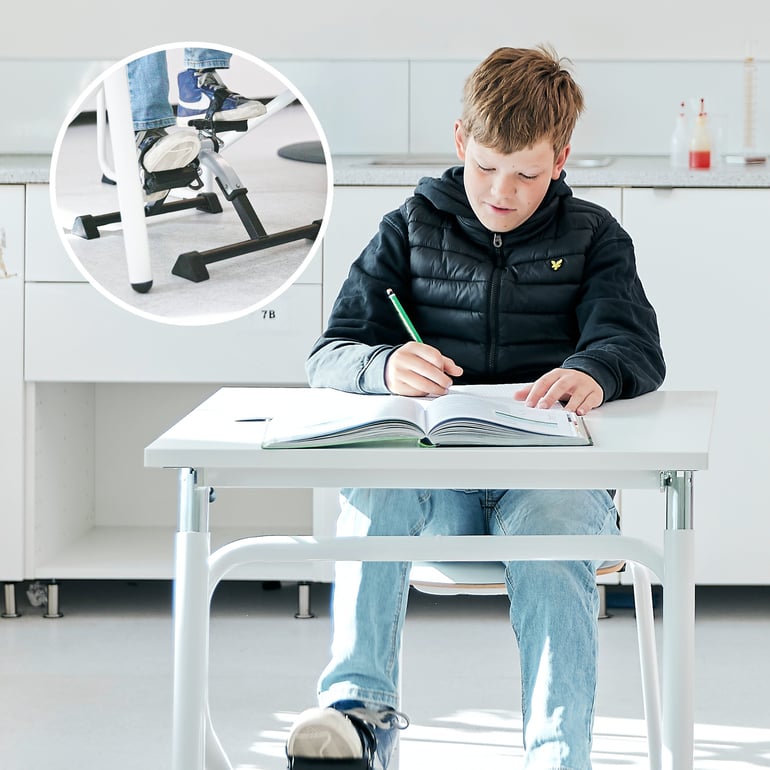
191, 624
678, 624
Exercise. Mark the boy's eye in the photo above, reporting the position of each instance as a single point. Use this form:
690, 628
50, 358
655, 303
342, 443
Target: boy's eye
484, 168
528, 176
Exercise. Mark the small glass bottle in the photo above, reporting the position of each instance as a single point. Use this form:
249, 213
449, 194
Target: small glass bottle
700, 142
680, 141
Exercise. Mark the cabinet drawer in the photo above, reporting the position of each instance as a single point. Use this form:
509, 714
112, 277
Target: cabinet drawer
74, 334
47, 259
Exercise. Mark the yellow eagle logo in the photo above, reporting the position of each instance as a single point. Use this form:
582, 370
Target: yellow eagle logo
556, 263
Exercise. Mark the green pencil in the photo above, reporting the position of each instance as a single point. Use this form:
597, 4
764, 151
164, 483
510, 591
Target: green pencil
403, 316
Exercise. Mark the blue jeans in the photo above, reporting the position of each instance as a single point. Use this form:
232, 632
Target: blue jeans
554, 605
148, 84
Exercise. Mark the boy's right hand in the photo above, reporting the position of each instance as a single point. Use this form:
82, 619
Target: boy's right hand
416, 369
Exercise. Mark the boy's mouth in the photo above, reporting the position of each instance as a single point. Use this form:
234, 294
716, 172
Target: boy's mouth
499, 209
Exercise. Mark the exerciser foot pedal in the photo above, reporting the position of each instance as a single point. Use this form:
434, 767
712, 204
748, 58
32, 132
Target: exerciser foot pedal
173, 178
218, 126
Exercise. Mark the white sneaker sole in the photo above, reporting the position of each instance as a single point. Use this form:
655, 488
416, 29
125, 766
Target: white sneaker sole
174, 150
324, 733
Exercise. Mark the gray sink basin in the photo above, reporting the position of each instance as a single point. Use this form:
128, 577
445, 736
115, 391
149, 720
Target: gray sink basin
589, 161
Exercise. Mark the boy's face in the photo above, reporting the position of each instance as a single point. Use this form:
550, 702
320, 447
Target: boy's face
505, 190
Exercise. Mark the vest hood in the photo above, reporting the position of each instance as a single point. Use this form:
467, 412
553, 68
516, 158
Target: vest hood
447, 193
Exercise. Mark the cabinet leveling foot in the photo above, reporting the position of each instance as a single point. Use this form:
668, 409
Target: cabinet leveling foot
10, 602
53, 601
303, 602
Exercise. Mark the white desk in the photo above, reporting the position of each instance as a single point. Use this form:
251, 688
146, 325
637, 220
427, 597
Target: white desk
656, 441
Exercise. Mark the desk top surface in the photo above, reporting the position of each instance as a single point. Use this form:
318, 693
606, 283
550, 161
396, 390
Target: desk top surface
665, 430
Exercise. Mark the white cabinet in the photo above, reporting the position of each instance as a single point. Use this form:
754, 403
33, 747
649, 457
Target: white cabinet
97, 512
702, 259
102, 383
74, 334
46, 258
11, 382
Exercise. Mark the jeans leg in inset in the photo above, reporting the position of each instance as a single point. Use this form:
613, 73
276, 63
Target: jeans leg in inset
206, 58
148, 91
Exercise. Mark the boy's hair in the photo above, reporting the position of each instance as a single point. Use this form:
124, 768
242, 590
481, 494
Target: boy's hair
517, 97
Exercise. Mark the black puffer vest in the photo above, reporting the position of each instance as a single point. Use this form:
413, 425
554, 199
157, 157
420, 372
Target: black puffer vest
560, 290
502, 305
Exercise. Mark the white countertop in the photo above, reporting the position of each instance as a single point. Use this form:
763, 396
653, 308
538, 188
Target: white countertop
24, 169
407, 170
621, 171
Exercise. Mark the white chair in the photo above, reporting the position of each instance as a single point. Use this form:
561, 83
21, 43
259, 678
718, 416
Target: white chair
487, 578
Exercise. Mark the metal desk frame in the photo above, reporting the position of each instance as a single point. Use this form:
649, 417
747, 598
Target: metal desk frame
656, 441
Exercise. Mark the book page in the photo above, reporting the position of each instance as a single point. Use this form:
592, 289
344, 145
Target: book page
328, 417
486, 409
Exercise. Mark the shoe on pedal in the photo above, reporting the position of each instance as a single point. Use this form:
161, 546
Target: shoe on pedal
202, 94
346, 736
160, 151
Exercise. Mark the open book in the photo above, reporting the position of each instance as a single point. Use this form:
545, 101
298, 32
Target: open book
466, 416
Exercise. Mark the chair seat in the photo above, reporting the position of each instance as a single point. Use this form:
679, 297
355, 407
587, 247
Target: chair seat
474, 577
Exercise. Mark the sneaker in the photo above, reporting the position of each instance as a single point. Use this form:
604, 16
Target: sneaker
160, 151
201, 91
363, 738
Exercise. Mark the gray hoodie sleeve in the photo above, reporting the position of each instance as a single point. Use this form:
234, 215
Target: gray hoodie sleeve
350, 366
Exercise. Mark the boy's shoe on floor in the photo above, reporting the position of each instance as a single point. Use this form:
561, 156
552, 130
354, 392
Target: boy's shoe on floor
202, 94
160, 151
347, 735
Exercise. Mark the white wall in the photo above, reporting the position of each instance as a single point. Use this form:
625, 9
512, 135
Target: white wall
652, 29
390, 80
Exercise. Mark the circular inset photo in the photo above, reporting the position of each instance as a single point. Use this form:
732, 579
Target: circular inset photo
191, 184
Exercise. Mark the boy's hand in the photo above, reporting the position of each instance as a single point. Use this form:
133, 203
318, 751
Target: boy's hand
416, 369
580, 391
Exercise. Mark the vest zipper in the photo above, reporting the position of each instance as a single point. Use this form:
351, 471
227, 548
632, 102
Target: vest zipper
494, 296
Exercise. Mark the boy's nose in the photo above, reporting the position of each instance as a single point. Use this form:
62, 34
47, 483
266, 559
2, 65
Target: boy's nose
504, 188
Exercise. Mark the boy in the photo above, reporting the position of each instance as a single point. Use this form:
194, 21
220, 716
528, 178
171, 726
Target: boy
508, 278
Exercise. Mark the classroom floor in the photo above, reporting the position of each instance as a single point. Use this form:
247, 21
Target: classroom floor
92, 690
285, 194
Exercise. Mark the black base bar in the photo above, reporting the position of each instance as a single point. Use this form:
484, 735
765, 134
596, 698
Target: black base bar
87, 226
192, 264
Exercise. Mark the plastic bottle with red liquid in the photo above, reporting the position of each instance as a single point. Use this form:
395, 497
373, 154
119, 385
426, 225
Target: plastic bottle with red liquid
700, 142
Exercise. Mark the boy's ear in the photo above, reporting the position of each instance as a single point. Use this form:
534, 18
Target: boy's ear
459, 140
559, 162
